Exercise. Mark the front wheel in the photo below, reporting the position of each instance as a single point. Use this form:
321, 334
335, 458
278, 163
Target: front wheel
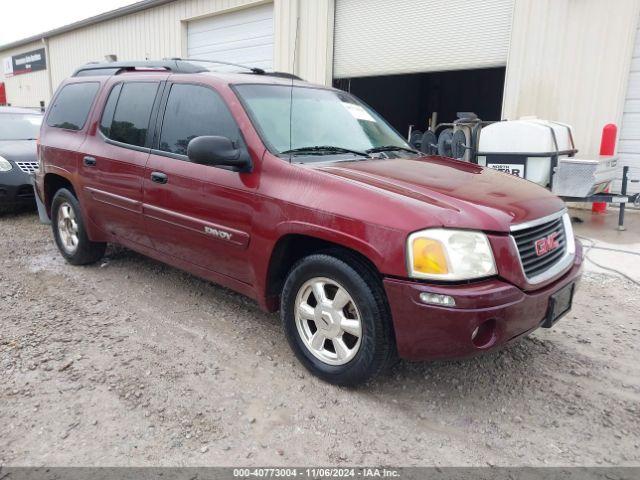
336, 318
69, 231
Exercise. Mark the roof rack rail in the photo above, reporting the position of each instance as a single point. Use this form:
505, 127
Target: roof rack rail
174, 65
284, 75
255, 70
113, 68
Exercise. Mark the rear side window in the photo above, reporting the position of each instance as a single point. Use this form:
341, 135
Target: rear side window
193, 111
71, 107
109, 109
128, 111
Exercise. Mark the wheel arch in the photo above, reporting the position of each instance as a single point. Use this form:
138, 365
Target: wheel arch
52, 183
292, 246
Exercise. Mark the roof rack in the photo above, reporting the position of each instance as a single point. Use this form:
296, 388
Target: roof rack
174, 65
284, 75
255, 70
113, 68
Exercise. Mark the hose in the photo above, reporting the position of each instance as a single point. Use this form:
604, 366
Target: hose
593, 246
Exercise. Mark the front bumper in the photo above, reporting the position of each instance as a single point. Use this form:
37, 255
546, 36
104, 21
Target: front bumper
428, 332
16, 188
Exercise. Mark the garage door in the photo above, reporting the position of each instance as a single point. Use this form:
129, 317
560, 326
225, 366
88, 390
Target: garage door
244, 36
629, 145
378, 37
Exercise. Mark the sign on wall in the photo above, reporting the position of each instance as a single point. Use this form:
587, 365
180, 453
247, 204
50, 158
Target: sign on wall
26, 62
7, 66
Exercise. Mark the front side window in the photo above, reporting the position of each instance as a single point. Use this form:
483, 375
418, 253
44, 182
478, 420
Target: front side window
127, 112
19, 126
193, 111
71, 106
292, 118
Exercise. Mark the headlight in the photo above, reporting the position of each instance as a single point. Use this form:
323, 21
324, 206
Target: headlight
443, 254
5, 165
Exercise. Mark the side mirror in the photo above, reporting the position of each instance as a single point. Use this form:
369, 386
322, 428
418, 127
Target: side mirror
218, 151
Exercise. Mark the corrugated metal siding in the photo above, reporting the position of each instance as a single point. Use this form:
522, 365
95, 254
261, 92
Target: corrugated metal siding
379, 37
569, 61
313, 20
629, 145
315, 43
150, 34
161, 31
26, 90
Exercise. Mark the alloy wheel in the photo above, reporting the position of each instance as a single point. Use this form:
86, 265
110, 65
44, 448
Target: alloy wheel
68, 228
328, 321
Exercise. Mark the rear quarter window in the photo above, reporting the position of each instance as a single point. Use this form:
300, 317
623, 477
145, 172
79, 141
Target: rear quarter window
72, 105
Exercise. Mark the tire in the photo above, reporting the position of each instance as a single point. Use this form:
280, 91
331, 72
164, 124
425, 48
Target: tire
65, 212
354, 359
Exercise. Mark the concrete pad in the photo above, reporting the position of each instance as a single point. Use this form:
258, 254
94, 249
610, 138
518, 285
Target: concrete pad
606, 246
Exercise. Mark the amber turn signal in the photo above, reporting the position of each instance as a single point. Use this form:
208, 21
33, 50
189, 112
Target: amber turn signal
429, 256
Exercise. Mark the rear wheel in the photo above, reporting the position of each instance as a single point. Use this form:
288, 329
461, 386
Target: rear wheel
70, 233
336, 318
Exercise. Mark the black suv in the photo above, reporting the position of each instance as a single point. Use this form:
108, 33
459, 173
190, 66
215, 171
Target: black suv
19, 128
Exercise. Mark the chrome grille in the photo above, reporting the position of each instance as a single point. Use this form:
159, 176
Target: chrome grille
532, 261
27, 167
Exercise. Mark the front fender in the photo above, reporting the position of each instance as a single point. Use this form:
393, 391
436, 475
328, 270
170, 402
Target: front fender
382, 246
342, 238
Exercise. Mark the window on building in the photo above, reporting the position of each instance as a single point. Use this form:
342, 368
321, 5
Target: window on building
132, 104
71, 107
193, 111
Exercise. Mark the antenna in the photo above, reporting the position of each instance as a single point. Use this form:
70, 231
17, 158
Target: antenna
256, 70
293, 71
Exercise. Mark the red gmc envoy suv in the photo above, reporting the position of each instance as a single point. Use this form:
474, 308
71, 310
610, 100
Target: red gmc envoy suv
304, 199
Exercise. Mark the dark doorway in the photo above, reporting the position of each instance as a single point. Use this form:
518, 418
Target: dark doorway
409, 99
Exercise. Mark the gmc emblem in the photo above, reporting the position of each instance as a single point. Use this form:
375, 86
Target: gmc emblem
546, 244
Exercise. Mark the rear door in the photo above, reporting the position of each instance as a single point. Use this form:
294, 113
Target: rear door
67, 122
114, 158
197, 213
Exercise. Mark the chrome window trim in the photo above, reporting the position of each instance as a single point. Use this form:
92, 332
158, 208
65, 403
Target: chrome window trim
565, 261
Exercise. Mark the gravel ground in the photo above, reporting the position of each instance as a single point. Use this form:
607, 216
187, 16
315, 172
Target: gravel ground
130, 362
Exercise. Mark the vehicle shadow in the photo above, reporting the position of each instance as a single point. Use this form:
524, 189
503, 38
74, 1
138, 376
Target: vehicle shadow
513, 372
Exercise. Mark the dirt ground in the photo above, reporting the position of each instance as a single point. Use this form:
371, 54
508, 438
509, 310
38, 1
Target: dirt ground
130, 362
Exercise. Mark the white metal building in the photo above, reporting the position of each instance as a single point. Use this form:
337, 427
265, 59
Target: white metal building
573, 61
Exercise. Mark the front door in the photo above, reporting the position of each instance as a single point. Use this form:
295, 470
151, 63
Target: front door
114, 162
197, 213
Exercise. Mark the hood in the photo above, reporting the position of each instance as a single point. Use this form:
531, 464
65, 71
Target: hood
453, 193
19, 150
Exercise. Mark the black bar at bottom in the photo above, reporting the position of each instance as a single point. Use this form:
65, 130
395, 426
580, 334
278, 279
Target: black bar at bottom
321, 473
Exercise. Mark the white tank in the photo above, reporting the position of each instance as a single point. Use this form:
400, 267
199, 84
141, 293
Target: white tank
519, 138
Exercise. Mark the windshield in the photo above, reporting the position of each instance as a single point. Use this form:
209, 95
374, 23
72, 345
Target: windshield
315, 121
19, 126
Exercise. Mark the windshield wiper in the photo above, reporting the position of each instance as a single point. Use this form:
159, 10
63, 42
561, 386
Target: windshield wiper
390, 148
325, 150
